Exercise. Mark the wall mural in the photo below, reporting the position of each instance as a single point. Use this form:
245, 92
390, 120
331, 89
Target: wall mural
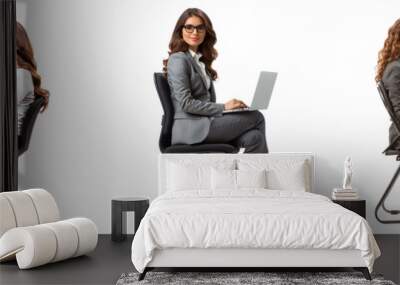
31, 97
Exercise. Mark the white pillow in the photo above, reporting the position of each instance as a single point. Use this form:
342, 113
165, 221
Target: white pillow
251, 178
226, 179
282, 174
223, 179
192, 174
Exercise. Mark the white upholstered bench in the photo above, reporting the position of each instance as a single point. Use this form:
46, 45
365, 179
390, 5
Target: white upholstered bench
31, 230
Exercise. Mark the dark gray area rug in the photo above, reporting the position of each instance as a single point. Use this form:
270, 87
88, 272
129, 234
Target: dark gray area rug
273, 278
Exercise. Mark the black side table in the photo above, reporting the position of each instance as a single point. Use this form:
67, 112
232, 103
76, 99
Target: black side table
119, 207
357, 206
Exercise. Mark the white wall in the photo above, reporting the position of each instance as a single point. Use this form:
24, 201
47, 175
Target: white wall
99, 137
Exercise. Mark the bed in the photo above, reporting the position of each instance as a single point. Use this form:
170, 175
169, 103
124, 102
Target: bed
246, 211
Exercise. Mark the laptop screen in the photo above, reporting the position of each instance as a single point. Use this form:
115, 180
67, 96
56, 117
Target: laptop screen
264, 88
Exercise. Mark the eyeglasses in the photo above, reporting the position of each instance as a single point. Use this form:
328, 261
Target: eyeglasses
190, 28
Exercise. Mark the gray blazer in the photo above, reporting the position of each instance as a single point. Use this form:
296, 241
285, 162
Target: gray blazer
194, 105
391, 82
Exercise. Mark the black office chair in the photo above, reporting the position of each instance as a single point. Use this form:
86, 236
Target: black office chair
28, 123
389, 151
164, 94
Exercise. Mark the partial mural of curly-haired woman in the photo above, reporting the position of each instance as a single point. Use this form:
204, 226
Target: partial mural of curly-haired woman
388, 72
390, 51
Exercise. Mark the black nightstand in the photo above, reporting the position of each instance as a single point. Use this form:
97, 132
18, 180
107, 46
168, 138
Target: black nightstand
119, 207
357, 206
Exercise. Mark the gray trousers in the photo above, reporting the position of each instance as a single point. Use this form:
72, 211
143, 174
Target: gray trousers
242, 129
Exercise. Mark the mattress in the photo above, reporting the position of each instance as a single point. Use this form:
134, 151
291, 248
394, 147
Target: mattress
250, 219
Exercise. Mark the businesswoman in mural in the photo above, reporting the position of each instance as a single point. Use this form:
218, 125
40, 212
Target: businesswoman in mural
28, 78
388, 71
198, 118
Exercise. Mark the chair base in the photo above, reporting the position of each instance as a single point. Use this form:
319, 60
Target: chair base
200, 148
381, 203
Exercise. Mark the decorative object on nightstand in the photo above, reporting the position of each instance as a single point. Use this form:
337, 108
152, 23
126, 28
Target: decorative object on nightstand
346, 192
347, 196
357, 206
348, 173
119, 207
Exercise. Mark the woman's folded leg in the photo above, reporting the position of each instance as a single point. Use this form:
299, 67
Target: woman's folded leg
244, 129
253, 141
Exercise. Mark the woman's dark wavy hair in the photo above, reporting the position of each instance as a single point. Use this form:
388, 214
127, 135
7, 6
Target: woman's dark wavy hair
26, 60
177, 44
390, 50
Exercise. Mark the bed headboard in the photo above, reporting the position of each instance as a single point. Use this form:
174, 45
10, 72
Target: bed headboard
164, 158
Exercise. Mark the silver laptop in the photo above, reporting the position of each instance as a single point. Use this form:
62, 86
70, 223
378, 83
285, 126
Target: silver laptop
262, 95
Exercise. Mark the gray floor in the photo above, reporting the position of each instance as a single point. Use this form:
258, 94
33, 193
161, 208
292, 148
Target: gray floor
110, 260
389, 262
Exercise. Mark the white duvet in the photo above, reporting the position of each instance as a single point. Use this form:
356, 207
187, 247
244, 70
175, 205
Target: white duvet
250, 219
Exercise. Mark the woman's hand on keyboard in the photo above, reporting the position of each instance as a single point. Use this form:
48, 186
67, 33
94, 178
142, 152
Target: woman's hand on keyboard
234, 104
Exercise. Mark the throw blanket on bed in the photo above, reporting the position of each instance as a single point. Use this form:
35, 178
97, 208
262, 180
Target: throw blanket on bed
250, 219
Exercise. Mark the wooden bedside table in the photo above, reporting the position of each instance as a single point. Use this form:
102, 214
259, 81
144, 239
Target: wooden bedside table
357, 206
119, 207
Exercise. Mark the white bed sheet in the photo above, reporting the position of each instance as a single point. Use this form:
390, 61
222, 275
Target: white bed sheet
251, 218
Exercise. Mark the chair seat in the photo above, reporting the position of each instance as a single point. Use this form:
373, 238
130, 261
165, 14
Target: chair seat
393, 152
28, 124
201, 148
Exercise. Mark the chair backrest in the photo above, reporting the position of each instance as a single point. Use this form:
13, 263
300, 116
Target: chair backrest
396, 121
388, 104
28, 124
27, 208
164, 95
